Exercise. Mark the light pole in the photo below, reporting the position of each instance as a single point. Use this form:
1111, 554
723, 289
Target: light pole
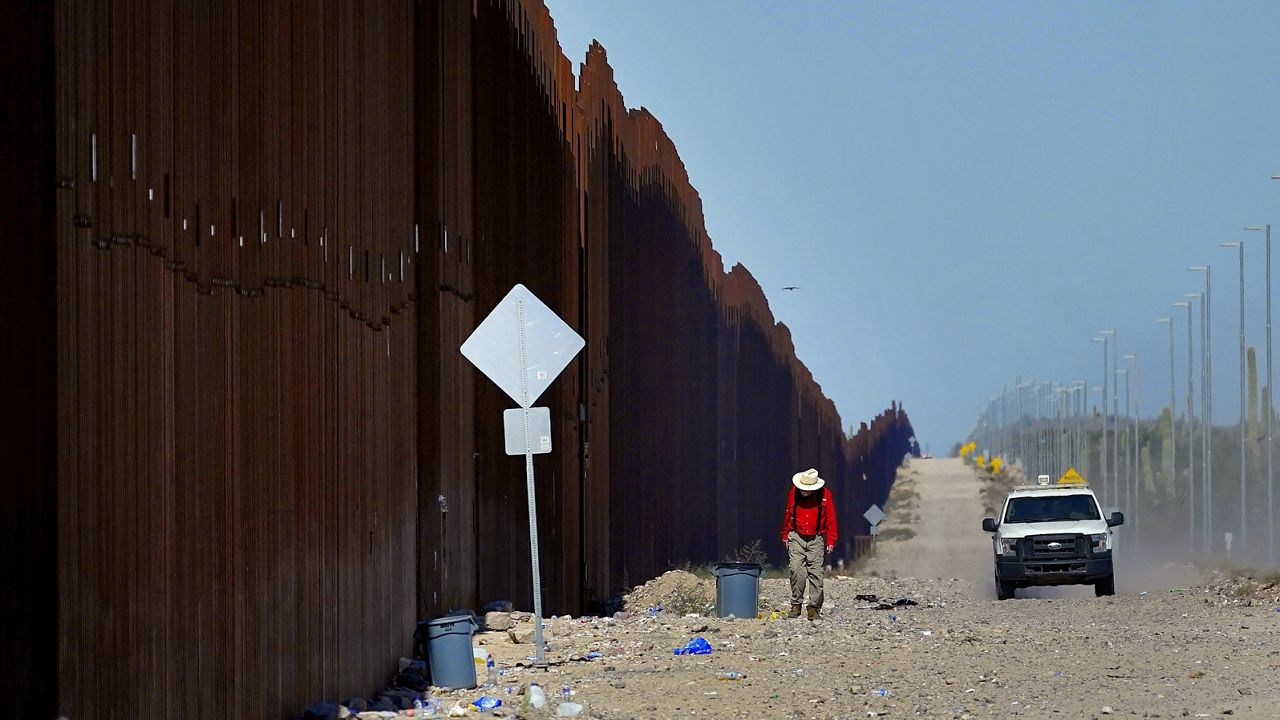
1103, 394
1173, 409
1122, 479
1191, 444
1244, 503
1135, 469
1043, 398
1102, 464
1271, 518
1113, 481
1206, 387
1082, 403
1017, 389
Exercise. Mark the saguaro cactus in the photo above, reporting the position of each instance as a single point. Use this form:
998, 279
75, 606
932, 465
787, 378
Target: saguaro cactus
1166, 438
1148, 476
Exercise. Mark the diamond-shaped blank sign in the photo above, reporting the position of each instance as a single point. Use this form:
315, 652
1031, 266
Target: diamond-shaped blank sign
874, 514
495, 346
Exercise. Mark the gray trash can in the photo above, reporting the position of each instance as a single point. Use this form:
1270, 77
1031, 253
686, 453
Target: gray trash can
449, 652
738, 589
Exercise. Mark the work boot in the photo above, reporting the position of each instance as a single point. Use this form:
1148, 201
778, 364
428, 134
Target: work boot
795, 611
814, 613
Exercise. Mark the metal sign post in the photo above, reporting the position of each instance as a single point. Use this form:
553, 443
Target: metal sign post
540, 648
874, 515
543, 344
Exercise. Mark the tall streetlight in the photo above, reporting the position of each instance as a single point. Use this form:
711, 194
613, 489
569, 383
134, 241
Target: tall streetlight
1132, 492
1017, 389
1121, 497
1173, 408
1004, 400
1244, 504
1102, 465
1191, 445
1043, 399
1271, 507
1082, 403
1114, 480
1206, 307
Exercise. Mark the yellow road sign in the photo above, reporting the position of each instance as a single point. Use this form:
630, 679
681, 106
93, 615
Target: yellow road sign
1071, 477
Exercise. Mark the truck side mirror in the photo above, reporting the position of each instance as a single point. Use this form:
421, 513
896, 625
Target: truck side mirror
988, 524
1117, 518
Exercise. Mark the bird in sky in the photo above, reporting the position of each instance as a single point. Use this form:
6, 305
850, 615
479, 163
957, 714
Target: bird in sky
791, 287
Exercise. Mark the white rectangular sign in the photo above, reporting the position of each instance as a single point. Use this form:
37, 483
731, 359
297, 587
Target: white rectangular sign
539, 430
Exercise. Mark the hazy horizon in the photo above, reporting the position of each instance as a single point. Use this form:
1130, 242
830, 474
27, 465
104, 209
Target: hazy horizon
974, 189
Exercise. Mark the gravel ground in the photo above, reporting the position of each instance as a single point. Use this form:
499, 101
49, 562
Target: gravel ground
1159, 649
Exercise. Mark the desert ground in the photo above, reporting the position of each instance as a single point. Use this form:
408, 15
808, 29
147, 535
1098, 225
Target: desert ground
1176, 641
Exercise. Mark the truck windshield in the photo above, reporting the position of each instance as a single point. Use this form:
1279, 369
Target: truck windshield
1051, 508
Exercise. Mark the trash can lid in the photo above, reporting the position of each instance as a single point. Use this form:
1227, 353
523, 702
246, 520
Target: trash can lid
451, 620
739, 566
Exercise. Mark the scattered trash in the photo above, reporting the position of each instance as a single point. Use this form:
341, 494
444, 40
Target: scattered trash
565, 692
696, 646
730, 676
882, 692
904, 601
485, 703
865, 598
1177, 590
893, 618
1058, 674
1106, 710
1142, 594
418, 707
653, 611
457, 711
568, 709
926, 633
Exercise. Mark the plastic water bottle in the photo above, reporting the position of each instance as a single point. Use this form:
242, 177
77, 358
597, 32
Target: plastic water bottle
730, 676
565, 692
418, 706
535, 697
492, 679
433, 706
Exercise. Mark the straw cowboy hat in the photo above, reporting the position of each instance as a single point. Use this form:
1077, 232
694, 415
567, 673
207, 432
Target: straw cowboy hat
808, 480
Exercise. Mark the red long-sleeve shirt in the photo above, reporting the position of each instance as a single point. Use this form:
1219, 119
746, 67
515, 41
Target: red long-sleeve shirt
803, 515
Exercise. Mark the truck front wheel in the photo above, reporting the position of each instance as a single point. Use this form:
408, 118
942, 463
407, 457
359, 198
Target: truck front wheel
1105, 586
1004, 589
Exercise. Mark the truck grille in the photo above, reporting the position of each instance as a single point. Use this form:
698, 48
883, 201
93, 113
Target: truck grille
1053, 547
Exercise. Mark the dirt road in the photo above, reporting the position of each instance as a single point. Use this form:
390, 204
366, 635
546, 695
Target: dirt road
940, 501
1158, 651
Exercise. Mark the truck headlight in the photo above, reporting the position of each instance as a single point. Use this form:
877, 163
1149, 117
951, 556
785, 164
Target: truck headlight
1101, 542
1008, 546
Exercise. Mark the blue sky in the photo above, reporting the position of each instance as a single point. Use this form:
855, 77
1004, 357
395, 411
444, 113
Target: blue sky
975, 188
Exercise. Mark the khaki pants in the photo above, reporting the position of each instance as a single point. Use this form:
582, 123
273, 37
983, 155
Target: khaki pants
806, 565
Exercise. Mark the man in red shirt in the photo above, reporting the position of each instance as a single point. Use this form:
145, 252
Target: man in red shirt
809, 532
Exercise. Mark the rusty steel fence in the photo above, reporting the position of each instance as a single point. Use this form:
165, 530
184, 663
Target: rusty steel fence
267, 226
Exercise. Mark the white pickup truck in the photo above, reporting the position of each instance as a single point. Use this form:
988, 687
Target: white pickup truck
1052, 535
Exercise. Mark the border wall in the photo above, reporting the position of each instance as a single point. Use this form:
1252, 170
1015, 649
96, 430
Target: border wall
263, 231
